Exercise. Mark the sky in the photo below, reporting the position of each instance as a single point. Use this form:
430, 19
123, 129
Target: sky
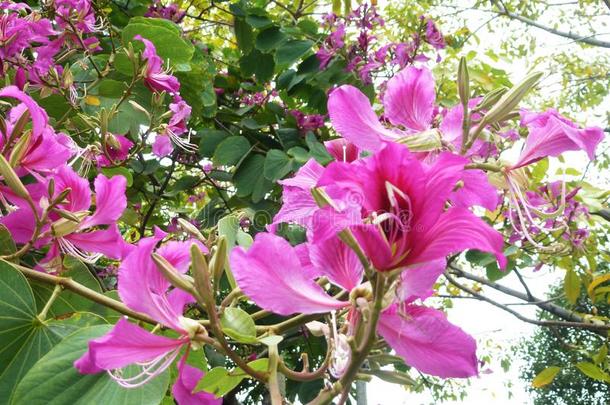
481, 320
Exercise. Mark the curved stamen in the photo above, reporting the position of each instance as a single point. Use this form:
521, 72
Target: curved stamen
149, 370
69, 248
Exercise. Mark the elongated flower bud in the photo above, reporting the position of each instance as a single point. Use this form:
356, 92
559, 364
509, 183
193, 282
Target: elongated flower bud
19, 149
463, 82
190, 229
511, 99
490, 99
65, 226
422, 142
172, 275
217, 263
11, 179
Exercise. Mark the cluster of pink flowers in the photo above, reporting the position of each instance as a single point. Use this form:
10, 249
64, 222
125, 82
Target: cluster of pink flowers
171, 12
366, 56
307, 122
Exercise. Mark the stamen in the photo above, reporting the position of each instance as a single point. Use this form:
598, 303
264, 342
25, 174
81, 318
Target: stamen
69, 248
149, 370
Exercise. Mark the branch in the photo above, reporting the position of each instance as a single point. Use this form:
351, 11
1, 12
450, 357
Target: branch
576, 37
83, 291
570, 319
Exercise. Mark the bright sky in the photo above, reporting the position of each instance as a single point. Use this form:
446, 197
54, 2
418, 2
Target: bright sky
481, 320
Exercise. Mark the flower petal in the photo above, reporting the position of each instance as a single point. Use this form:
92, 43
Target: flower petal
271, 274
38, 115
108, 242
476, 190
417, 282
409, 99
187, 380
125, 344
428, 342
353, 117
457, 229
110, 200
337, 261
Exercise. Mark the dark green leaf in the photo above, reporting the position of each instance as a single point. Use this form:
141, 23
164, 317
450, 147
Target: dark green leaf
231, 150
277, 164
243, 34
269, 39
209, 139
291, 51
239, 325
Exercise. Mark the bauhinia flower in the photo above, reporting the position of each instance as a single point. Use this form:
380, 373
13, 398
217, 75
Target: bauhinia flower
71, 228
170, 134
143, 288
156, 79
404, 220
36, 149
550, 134
281, 279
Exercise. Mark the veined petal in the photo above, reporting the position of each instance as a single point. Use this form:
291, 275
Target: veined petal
271, 274
306, 177
110, 200
427, 341
108, 242
476, 190
409, 98
20, 223
79, 198
353, 117
125, 344
178, 253
417, 282
182, 390
38, 115
457, 229
337, 261
375, 246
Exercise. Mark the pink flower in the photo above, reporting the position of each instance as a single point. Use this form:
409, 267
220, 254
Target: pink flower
156, 79
84, 239
433, 35
280, 278
78, 12
143, 288
552, 134
116, 154
45, 150
342, 150
176, 126
170, 12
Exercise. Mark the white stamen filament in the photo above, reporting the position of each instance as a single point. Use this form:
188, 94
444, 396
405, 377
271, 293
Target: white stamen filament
149, 370
183, 144
69, 248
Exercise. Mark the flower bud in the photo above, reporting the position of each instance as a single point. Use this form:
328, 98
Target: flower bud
463, 82
422, 142
66, 226
11, 179
190, 229
490, 99
112, 141
217, 263
19, 149
172, 275
511, 99
19, 126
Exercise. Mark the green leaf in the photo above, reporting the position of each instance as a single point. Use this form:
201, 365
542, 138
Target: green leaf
243, 34
24, 339
248, 179
259, 64
119, 171
592, 371
545, 377
68, 302
231, 151
277, 164
209, 141
269, 39
7, 244
571, 286
166, 37
291, 51
258, 21
239, 325
272, 340
110, 88
55, 381
540, 169
219, 381
317, 149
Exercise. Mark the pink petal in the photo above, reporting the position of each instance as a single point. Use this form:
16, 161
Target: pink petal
20, 223
38, 115
476, 191
457, 229
306, 177
353, 117
551, 135
125, 344
79, 198
409, 99
427, 341
417, 282
375, 246
162, 146
271, 274
46, 152
182, 390
110, 200
178, 253
342, 150
108, 242
337, 261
